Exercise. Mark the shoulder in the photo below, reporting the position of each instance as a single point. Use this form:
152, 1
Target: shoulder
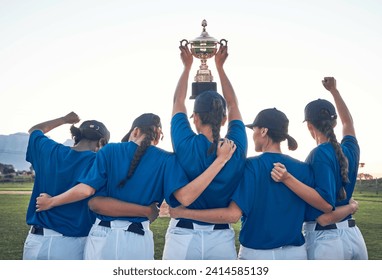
161, 152
322, 151
111, 147
236, 132
350, 147
349, 140
297, 166
295, 161
38, 139
35, 134
236, 125
252, 163
118, 150
180, 116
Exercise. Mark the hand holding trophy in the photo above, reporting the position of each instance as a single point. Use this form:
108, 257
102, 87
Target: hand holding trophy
203, 48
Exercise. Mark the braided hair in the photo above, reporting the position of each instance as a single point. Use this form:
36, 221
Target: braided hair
326, 127
214, 118
151, 132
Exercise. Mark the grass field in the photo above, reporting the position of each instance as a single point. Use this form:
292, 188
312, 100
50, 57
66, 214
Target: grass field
13, 228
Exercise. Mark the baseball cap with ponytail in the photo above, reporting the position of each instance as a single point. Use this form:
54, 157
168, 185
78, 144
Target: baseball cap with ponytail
91, 130
320, 110
277, 124
212, 108
204, 102
144, 120
151, 126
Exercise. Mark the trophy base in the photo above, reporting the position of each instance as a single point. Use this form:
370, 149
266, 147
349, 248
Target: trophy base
199, 87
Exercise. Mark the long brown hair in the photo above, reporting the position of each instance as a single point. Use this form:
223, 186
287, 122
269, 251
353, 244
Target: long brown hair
214, 119
326, 127
150, 126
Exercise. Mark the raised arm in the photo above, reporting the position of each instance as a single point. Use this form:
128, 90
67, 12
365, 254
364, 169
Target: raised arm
346, 119
339, 214
181, 88
228, 91
279, 173
109, 206
189, 193
47, 126
230, 214
77, 193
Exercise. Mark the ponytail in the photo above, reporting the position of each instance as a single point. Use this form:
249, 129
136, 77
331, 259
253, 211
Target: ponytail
326, 127
214, 118
152, 133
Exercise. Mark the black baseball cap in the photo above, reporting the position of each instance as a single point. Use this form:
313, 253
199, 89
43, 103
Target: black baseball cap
320, 110
276, 121
94, 130
272, 119
204, 101
146, 119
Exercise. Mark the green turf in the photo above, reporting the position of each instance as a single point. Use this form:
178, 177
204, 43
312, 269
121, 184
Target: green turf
13, 228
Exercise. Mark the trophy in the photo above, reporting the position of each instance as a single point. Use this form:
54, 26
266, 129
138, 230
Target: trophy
203, 48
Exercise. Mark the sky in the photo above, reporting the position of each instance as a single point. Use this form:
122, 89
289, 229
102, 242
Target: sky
114, 60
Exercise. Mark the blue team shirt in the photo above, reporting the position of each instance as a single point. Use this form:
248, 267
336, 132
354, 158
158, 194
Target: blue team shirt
191, 151
327, 173
156, 170
273, 215
57, 169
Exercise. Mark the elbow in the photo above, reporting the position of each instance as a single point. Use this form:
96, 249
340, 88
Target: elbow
92, 204
33, 128
234, 213
323, 221
233, 219
84, 190
89, 192
183, 199
185, 202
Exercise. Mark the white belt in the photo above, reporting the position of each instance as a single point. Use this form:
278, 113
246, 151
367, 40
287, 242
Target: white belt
174, 222
123, 224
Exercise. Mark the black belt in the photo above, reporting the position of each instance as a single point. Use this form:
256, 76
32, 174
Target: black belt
351, 223
37, 230
190, 225
134, 227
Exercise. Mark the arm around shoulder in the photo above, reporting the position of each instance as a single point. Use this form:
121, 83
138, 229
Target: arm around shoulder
280, 174
230, 214
77, 193
338, 214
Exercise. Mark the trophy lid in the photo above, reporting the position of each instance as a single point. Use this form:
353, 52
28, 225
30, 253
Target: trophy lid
204, 36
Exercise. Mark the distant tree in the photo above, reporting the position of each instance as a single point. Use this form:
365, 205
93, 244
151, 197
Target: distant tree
7, 169
365, 176
368, 176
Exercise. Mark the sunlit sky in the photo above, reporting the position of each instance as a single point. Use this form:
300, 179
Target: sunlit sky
114, 60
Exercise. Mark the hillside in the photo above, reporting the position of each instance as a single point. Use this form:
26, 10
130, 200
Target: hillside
13, 148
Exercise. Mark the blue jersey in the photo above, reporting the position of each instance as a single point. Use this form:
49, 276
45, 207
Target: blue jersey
57, 169
327, 173
273, 215
191, 151
156, 169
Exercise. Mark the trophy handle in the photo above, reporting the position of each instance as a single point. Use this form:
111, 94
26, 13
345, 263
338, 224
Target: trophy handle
183, 45
223, 42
